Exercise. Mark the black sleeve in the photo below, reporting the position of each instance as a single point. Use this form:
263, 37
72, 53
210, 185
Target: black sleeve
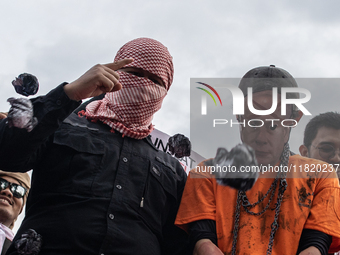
82, 107
318, 239
175, 239
19, 148
202, 229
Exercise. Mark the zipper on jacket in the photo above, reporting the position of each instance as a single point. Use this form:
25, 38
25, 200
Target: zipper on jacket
145, 189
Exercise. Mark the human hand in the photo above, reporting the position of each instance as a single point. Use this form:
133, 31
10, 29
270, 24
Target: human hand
21, 114
312, 250
96, 81
3, 115
206, 247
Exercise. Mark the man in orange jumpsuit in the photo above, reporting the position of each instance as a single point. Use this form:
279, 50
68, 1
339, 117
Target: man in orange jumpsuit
292, 212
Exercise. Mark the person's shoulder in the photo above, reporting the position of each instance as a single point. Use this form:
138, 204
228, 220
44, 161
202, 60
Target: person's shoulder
161, 155
164, 158
311, 168
301, 159
169, 161
202, 169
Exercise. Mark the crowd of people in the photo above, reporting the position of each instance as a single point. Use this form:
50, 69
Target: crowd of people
100, 186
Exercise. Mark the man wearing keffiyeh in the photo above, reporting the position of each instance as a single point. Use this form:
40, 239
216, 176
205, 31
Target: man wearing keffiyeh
130, 109
99, 185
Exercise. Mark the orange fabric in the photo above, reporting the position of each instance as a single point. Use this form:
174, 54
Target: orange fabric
309, 202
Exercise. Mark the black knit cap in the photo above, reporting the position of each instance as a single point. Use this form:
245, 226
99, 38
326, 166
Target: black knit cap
265, 78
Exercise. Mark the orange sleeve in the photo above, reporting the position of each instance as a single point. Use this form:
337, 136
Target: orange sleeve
198, 199
325, 211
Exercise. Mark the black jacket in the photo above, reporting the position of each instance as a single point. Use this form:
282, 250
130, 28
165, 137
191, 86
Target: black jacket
5, 246
93, 191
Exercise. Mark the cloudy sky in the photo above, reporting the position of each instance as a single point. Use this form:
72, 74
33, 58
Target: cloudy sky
58, 40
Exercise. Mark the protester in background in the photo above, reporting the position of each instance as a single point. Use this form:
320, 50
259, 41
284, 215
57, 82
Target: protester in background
99, 184
322, 138
14, 189
278, 210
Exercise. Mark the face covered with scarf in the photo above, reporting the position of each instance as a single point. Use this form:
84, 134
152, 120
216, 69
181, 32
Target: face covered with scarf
145, 83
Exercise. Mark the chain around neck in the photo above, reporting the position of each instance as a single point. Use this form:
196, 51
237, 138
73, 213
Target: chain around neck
242, 200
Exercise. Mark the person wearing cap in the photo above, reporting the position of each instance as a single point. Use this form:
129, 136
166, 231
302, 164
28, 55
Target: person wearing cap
284, 212
99, 185
14, 189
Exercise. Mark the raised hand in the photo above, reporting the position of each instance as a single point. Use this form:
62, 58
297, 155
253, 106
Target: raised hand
96, 81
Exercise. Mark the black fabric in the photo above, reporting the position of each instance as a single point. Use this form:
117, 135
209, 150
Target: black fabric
202, 229
94, 191
82, 107
5, 247
318, 239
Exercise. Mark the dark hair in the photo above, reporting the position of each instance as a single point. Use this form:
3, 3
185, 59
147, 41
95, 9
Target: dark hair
327, 119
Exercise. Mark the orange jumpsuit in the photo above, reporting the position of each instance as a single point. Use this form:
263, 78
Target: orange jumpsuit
311, 201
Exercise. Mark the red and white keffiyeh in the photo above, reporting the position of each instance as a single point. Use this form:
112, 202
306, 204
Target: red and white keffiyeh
130, 110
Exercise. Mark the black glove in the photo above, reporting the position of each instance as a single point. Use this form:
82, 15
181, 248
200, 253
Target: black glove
21, 114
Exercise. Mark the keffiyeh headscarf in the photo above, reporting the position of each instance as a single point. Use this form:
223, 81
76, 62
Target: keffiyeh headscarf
130, 110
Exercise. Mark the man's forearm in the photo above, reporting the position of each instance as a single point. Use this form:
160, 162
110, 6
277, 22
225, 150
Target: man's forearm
17, 146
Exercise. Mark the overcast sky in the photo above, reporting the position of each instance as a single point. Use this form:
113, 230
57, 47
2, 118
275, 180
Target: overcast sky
58, 40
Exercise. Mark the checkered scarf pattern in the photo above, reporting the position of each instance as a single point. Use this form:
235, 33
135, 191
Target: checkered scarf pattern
130, 110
